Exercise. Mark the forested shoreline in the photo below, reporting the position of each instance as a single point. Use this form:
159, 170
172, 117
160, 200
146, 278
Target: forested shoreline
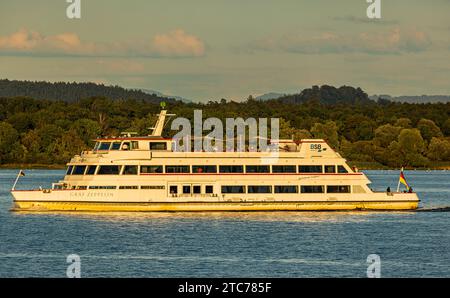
371, 134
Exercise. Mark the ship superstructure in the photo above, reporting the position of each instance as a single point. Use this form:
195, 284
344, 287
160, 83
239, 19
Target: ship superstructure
131, 173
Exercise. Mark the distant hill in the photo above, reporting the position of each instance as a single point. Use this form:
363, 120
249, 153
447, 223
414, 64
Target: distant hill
71, 92
148, 91
270, 95
328, 95
414, 98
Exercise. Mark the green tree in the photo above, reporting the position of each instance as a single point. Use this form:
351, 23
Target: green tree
428, 129
446, 127
65, 147
407, 151
326, 131
8, 141
48, 134
357, 127
393, 156
358, 151
142, 125
385, 134
250, 98
32, 146
411, 141
286, 130
302, 134
403, 122
22, 122
86, 129
439, 150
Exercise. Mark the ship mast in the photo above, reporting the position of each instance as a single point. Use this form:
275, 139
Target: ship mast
159, 126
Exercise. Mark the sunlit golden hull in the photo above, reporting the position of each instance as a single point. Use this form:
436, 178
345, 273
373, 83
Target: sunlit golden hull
210, 206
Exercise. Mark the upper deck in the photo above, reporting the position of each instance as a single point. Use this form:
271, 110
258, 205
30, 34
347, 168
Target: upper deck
154, 146
144, 148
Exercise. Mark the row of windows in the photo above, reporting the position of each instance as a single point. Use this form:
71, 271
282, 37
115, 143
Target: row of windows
121, 187
199, 169
114, 146
286, 189
127, 145
186, 189
236, 189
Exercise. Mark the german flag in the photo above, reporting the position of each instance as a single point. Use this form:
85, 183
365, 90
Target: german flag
402, 180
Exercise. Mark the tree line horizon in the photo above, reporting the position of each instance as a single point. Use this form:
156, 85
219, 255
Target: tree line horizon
380, 133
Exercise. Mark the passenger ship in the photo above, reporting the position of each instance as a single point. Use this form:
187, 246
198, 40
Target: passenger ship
131, 173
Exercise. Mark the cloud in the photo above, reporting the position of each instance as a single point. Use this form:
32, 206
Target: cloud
175, 44
178, 44
396, 41
33, 42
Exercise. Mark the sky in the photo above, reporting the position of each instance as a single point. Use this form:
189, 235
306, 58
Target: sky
212, 49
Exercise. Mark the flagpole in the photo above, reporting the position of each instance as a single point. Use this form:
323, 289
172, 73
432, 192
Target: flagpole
17, 179
398, 186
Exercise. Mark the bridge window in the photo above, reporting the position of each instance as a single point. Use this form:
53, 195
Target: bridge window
342, 170
104, 146
259, 189
109, 170
330, 169
177, 169
158, 146
286, 189
79, 170
204, 169
233, 189
91, 170
69, 170
151, 169
126, 146
231, 169
312, 189
115, 146
257, 169
310, 169
338, 189
130, 170
284, 169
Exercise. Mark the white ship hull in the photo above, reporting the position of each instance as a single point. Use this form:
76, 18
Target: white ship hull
138, 200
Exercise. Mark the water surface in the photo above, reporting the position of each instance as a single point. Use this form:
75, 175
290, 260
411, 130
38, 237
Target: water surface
261, 244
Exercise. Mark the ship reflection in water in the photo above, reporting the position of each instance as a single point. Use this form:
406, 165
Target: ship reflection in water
280, 216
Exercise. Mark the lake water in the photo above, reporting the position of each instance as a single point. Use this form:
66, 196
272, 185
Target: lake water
267, 244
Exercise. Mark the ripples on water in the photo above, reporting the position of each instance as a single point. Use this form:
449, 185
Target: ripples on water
260, 244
